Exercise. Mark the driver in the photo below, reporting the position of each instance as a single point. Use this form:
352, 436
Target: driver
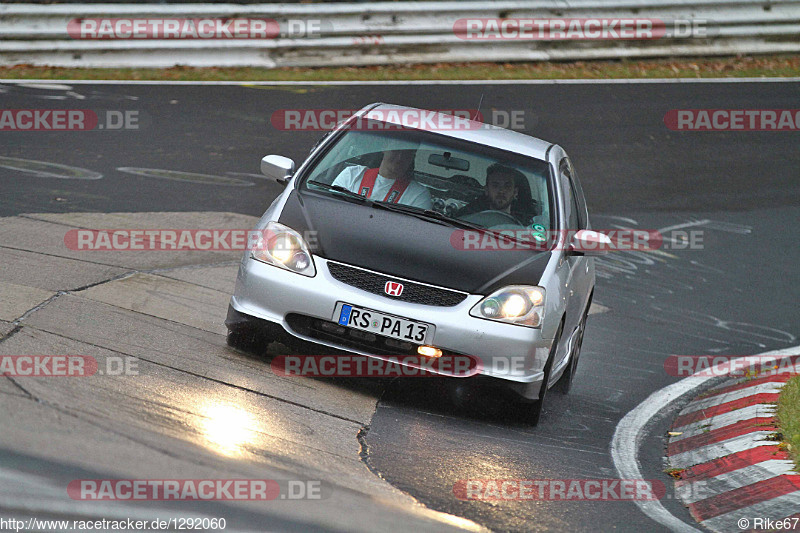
499, 194
392, 182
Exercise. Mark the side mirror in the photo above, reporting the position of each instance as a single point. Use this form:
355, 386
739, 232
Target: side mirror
277, 167
589, 243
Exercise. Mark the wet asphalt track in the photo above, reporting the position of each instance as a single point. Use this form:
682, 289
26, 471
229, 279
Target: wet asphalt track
735, 296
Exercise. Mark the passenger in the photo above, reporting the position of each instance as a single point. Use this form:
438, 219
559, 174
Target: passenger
392, 182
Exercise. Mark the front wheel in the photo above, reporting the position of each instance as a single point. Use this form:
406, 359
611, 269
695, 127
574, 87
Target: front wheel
564, 384
533, 411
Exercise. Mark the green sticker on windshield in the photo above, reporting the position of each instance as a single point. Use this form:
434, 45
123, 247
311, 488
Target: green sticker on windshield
538, 227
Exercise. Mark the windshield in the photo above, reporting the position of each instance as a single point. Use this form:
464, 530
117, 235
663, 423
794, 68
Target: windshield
480, 185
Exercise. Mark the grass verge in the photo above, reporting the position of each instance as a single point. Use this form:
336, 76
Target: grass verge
725, 67
789, 418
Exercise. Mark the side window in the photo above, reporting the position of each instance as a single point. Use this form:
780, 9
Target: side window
570, 203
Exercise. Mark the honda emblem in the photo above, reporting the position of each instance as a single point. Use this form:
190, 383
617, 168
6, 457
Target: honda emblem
393, 288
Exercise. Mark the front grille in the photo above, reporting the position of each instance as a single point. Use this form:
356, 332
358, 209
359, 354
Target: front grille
412, 292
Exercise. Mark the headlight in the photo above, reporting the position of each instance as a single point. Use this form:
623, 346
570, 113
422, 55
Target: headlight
283, 247
516, 304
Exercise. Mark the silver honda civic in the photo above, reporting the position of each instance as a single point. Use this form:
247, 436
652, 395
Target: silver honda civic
415, 233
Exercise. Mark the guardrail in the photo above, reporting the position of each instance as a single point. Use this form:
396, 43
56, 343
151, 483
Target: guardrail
394, 33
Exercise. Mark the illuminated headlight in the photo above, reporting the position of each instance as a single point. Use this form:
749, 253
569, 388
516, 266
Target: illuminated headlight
283, 247
516, 304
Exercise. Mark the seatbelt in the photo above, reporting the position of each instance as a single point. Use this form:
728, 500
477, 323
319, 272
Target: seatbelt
368, 183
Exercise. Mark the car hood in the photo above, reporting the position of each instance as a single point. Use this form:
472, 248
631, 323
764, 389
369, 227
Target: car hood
405, 246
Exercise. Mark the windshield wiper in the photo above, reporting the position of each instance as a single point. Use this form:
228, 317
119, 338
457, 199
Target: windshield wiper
338, 188
424, 214
429, 214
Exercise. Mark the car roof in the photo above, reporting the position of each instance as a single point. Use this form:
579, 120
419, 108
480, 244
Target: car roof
478, 132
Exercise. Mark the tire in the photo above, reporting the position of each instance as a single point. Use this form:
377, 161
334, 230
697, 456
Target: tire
533, 411
564, 384
462, 394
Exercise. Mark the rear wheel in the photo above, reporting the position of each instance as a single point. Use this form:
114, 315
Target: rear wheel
533, 411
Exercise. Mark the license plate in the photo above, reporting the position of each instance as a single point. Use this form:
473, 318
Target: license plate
382, 324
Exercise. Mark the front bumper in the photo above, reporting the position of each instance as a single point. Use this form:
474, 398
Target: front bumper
514, 354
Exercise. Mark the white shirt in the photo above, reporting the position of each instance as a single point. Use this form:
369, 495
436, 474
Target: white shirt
415, 194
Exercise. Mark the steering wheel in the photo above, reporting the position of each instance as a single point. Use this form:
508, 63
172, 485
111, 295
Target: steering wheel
492, 217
